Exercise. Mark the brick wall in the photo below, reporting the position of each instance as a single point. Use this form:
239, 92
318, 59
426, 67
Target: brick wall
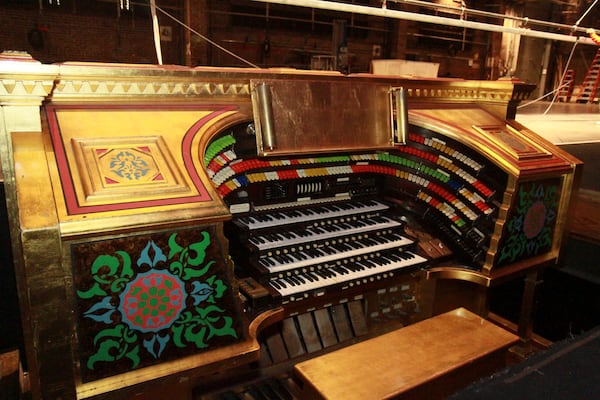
71, 37
75, 37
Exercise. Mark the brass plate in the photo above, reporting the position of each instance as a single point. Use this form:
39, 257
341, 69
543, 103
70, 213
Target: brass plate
322, 116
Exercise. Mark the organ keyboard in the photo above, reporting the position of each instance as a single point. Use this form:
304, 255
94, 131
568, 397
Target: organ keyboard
333, 246
202, 229
335, 210
346, 272
326, 230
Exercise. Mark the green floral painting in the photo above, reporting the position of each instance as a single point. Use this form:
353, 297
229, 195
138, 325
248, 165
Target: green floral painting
530, 228
147, 299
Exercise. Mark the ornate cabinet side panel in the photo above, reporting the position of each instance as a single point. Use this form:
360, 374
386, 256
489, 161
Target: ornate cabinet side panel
24, 84
151, 304
124, 276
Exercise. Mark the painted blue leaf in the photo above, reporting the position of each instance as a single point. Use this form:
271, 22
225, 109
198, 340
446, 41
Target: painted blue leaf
101, 311
200, 292
151, 259
156, 345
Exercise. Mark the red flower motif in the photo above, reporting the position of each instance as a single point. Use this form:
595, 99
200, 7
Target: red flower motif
152, 301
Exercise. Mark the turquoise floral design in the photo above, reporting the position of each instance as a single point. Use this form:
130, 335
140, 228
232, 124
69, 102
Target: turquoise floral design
169, 298
128, 165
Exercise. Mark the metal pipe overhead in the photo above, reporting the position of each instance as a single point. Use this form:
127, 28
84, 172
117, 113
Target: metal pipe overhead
432, 19
465, 12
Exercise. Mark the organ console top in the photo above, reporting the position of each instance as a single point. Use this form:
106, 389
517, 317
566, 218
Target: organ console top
174, 225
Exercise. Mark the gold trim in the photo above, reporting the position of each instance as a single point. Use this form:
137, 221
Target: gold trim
115, 89
244, 352
509, 139
458, 273
236, 354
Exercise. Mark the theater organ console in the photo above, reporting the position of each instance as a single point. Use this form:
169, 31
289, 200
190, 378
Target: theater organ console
199, 230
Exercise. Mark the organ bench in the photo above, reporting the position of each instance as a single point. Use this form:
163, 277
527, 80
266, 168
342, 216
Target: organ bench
430, 359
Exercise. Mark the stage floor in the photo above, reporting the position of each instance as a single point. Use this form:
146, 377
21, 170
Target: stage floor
572, 126
562, 123
566, 371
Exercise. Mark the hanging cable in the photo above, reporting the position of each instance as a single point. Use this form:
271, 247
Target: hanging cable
561, 79
156, 31
585, 13
557, 90
542, 97
207, 39
570, 57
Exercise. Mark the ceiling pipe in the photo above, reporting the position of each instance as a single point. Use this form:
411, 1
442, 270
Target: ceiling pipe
465, 12
432, 19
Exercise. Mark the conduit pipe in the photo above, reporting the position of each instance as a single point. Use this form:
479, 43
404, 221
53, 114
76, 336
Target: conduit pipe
466, 12
432, 19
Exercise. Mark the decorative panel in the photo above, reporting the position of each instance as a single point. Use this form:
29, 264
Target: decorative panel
299, 117
144, 300
529, 229
117, 169
121, 157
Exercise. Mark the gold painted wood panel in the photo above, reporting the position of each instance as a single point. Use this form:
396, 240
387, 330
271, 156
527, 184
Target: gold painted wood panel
404, 359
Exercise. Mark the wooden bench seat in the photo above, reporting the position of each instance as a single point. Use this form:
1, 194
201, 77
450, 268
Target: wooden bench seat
426, 360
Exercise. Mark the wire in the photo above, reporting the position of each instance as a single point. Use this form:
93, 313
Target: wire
561, 78
556, 91
541, 97
207, 39
585, 13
